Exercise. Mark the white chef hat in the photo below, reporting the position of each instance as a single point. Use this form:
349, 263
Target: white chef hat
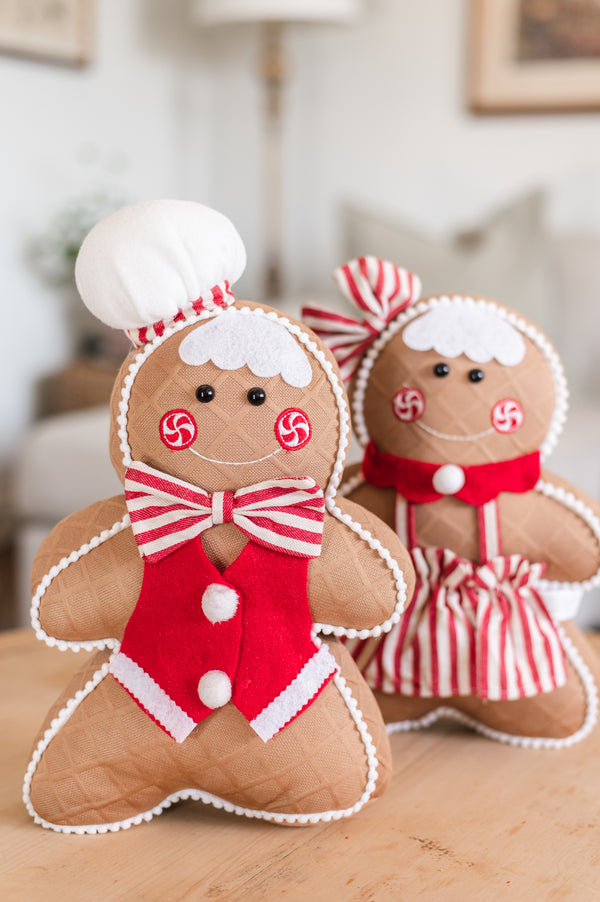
153, 263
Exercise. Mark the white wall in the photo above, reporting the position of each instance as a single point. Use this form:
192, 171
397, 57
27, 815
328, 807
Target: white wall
377, 114
115, 125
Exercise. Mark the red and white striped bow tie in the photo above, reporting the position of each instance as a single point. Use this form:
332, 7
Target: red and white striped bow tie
282, 514
379, 288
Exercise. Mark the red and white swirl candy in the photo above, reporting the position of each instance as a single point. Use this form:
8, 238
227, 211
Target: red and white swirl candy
292, 429
507, 416
408, 404
178, 429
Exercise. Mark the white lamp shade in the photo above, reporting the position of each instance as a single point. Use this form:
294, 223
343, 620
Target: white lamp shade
223, 12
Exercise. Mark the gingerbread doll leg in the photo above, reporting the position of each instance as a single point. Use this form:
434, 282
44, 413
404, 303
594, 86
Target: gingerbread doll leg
553, 719
101, 759
102, 764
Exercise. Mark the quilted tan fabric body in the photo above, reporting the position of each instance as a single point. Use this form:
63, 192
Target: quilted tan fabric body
109, 761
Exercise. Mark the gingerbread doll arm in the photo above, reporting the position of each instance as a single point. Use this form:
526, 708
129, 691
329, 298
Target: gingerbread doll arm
558, 524
580, 519
86, 578
363, 579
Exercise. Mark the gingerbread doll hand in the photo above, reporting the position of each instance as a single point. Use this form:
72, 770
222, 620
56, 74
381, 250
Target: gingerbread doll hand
380, 575
572, 551
86, 578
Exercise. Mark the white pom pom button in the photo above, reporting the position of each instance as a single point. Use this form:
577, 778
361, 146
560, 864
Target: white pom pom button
219, 602
214, 689
449, 479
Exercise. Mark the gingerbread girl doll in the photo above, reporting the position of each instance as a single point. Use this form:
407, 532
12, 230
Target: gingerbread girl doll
213, 590
457, 402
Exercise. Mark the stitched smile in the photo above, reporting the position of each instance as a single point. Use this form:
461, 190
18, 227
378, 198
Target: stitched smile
236, 463
453, 438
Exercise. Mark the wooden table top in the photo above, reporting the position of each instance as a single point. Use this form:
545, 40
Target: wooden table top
464, 818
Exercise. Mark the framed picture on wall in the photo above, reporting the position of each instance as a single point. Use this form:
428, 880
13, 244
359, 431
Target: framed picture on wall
534, 56
57, 30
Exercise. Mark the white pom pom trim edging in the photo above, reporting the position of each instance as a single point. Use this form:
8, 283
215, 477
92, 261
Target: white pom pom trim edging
392, 565
200, 795
354, 482
559, 414
527, 742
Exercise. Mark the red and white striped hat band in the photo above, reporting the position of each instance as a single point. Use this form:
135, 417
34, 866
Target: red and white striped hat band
379, 288
218, 298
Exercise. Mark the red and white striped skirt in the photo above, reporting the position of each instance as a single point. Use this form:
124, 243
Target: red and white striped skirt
470, 629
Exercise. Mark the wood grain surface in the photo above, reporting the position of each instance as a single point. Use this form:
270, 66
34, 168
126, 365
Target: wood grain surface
465, 818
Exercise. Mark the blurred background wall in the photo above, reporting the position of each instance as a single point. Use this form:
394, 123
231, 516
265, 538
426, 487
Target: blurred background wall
378, 114
112, 128
375, 116
375, 113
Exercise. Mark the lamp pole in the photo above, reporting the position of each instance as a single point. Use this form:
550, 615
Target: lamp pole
273, 16
273, 74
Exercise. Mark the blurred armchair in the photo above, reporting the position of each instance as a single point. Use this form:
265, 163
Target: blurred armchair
63, 466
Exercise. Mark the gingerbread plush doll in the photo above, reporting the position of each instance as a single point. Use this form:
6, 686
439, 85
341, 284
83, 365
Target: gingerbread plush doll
202, 590
457, 402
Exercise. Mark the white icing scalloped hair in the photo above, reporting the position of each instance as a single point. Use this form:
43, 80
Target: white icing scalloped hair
232, 340
465, 326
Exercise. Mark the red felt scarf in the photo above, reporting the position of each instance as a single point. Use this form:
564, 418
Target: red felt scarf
413, 479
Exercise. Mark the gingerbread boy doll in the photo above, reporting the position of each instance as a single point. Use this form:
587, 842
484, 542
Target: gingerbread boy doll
213, 591
457, 403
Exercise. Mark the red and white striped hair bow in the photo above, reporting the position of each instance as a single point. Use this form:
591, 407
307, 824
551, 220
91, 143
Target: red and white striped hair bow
379, 288
281, 514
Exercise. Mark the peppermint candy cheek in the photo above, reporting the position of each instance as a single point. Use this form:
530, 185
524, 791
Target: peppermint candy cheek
507, 416
408, 404
178, 430
292, 429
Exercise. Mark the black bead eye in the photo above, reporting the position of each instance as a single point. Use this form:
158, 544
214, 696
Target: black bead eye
476, 375
205, 393
441, 369
257, 396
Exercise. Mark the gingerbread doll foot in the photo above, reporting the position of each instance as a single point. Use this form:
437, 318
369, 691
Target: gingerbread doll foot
458, 401
102, 765
555, 719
